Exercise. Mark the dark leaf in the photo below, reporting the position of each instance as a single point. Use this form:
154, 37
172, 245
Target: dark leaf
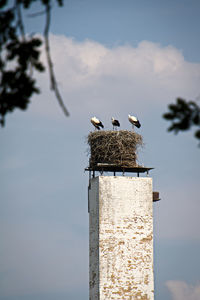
197, 134
168, 116
3, 3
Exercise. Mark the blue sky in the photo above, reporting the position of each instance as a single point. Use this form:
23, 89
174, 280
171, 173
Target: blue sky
111, 58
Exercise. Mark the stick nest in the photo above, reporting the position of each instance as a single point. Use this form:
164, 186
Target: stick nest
118, 148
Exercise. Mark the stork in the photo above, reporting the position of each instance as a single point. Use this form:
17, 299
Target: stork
97, 123
134, 121
115, 123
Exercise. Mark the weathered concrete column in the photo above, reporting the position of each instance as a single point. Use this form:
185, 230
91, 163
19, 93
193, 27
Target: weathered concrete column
121, 238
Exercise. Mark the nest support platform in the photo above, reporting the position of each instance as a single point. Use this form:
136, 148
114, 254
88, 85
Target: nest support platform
112, 168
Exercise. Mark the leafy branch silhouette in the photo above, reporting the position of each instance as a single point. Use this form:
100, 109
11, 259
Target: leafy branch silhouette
20, 57
183, 115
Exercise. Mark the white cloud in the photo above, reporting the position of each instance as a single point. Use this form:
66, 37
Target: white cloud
181, 290
96, 78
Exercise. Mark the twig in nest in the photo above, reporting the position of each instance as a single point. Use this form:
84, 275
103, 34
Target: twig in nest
111, 147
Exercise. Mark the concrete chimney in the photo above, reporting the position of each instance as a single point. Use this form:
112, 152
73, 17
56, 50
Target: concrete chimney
121, 238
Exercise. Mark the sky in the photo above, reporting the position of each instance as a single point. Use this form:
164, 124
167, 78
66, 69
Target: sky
111, 58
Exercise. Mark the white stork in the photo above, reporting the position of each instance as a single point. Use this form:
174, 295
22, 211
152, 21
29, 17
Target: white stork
134, 121
97, 124
115, 123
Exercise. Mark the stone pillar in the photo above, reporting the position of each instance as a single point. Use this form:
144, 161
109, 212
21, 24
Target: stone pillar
121, 238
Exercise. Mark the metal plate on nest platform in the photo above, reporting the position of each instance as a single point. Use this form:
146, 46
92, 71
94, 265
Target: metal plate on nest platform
101, 167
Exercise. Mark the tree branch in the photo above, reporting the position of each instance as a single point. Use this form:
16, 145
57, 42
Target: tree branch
53, 82
20, 21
